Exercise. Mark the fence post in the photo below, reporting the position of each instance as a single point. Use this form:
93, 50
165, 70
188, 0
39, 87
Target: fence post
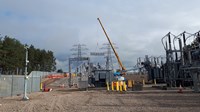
154, 81
124, 85
117, 85
120, 86
112, 85
12, 86
143, 82
41, 85
32, 82
108, 87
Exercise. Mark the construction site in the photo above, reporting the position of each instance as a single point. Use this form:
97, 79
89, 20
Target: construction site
156, 84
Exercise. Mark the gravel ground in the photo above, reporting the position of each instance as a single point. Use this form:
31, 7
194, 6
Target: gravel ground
72, 100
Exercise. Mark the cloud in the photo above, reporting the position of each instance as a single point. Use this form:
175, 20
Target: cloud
135, 26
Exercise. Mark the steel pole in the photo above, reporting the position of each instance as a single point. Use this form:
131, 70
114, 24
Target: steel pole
25, 76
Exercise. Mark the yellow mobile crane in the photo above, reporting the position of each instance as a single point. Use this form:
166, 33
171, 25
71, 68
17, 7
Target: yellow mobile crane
123, 69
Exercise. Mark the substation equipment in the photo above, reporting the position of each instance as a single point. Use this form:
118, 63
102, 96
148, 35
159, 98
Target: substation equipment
182, 61
83, 72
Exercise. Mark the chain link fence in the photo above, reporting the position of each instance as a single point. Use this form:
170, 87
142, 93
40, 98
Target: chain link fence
11, 85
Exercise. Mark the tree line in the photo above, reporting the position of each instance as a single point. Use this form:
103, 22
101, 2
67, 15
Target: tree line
12, 57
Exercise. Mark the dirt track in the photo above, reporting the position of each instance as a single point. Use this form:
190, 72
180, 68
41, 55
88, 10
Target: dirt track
65, 100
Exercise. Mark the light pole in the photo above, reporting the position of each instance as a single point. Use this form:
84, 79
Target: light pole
25, 75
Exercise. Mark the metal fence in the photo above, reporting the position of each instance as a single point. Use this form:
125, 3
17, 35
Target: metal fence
39, 74
11, 85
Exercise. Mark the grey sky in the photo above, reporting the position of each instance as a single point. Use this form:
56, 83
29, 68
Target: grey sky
136, 26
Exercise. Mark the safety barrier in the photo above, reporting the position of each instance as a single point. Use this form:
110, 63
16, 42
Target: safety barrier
117, 86
131, 83
55, 76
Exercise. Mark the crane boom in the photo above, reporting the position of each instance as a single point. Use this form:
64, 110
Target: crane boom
118, 59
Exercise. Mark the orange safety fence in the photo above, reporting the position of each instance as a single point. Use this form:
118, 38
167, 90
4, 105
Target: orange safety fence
55, 76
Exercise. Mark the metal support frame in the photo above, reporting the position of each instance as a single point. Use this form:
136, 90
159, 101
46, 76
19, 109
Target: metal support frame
75, 59
186, 68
